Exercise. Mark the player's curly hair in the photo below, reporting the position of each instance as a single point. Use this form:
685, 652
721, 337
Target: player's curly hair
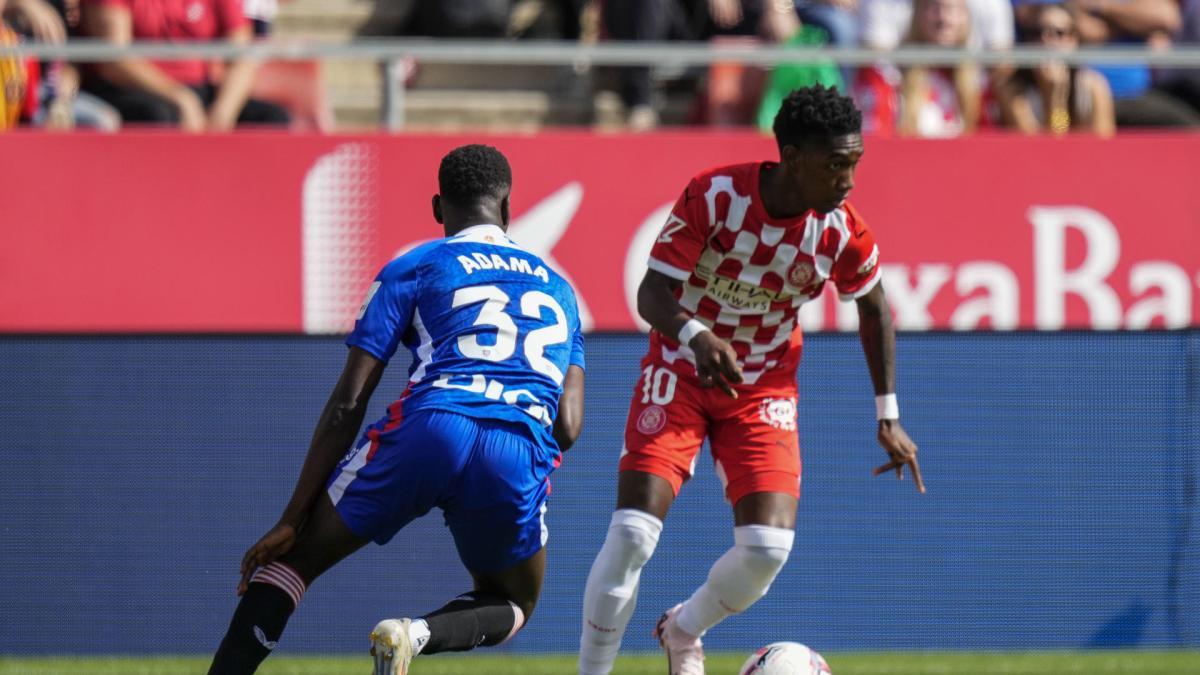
470, 173
816, 112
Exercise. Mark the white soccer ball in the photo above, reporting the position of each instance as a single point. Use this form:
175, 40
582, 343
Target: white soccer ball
785, 658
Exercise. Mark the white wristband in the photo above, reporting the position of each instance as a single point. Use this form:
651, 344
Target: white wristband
690, 330
886, 407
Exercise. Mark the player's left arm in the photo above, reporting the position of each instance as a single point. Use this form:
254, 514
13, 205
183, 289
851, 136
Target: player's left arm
569, 423
878, 337
857, 274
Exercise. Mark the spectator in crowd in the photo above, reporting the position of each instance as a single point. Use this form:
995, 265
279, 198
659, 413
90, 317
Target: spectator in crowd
839, 20
39, 19
642, 21
787, 77
1184, 83
772, 20
733, 90
441, 18
58, 102
554, 19
14, 79
261, 14
1131, 22
920, 100
180, 93
884, 24
1053, 96
295, 85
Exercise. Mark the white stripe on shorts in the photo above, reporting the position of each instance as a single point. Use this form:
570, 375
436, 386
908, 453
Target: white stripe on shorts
349, 473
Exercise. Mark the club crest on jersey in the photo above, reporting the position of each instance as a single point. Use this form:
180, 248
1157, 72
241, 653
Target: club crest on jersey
801, 274
780, 413
652, 420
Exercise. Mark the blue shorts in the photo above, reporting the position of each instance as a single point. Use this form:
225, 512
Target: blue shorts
489, 478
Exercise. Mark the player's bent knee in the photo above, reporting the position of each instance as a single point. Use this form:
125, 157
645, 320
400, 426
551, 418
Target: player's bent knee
765, 549
745, 574
520, 617
763, 562
635, 533
523, 609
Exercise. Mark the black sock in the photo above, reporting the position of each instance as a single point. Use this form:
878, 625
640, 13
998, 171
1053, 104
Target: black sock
469, 621
256, 626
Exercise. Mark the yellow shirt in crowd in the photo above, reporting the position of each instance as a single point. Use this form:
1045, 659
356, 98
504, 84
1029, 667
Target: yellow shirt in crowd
12, 82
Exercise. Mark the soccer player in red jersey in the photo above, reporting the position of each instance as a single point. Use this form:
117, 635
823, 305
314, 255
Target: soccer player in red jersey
745, 246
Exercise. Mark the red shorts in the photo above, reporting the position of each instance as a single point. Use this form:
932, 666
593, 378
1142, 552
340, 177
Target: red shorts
753, 437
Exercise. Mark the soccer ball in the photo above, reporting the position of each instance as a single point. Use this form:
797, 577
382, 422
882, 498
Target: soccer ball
785, 658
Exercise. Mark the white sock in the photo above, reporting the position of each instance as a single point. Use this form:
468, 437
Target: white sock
611, 592
418, 634
738, 578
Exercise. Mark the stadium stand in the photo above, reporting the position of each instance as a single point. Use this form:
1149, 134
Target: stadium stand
439, 96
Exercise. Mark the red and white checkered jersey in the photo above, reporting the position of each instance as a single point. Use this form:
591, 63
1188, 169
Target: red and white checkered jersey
746, 274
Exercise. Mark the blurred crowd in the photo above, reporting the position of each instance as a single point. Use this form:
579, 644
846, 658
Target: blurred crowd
941, 101
1052, 97
192, 95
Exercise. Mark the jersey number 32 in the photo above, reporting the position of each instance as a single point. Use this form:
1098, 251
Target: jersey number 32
493, 314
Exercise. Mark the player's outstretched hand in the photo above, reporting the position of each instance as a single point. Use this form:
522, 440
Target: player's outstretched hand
716, 363
278, 541
902, 451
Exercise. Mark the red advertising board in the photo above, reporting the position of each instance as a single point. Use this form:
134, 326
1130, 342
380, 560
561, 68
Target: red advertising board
159, 232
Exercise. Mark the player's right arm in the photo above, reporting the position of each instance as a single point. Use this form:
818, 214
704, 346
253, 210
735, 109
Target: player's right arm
385, 315
335, 432
716, 362
675, 253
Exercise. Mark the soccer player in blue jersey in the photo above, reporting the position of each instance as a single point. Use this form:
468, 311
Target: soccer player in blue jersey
495, 394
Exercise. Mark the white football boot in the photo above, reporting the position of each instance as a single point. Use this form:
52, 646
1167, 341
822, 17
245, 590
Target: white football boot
685, 653
391, 647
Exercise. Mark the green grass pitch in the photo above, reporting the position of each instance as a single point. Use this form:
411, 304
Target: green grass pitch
905, 663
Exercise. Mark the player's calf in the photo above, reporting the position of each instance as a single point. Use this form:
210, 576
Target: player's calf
611, 592
738, 578
259, 620
471, 620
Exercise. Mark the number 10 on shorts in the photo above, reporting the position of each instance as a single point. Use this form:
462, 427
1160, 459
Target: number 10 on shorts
658, 385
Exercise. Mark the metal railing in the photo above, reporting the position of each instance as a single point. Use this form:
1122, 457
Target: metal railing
393, 51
